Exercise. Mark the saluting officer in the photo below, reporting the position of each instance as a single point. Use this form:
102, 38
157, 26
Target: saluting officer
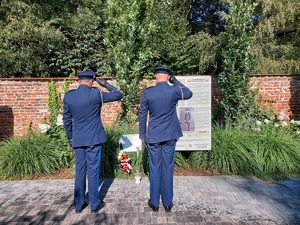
163, 131
84, 129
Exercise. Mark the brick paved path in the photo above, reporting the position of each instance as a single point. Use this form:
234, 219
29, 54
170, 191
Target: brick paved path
204, 200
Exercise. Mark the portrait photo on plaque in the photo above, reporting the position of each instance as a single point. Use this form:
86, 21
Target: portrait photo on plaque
187, 118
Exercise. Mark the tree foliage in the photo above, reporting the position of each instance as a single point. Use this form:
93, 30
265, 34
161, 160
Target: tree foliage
52, 37
138, 36
26, 41
126, 39
83, 46
277, 35
237, 60
207, 16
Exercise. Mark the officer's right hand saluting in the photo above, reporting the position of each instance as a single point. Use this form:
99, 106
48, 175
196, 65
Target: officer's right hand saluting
172, 79
102, 82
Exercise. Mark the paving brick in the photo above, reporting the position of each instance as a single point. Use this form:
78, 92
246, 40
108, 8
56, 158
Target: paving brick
215, 200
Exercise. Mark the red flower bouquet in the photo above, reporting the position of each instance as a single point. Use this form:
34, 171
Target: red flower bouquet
124, 162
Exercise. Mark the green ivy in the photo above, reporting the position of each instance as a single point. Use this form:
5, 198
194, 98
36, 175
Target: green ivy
53, 103
66, 85
57, 133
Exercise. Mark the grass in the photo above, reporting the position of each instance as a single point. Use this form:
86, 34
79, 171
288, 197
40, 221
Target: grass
229, 154
276, 152
30, 155
239, 150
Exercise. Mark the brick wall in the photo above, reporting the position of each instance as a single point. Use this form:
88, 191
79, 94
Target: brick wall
24, 102
283, 91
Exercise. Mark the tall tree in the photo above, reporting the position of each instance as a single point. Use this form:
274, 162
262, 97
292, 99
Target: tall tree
237, 60
207, 15
84, 35
206, 22
277, 36
26, 41
172, 40
126, 34
140, 34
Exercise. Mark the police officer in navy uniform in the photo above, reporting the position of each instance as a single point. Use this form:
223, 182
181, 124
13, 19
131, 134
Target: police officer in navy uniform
84, 129
159, 102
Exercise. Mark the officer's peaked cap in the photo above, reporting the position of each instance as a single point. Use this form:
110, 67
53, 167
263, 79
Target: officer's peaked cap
163, 69
86, 75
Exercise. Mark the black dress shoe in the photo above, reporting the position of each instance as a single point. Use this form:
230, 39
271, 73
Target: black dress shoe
153, 207
80, 210
168, 208
98, 208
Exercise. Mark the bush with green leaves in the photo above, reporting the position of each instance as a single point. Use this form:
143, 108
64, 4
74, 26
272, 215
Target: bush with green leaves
65, 153
28, 42
138, 37
84, 47
261, 148
276, 147
237, 60
32, 154
277, 34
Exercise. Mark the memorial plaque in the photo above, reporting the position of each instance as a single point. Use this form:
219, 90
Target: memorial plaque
195, 114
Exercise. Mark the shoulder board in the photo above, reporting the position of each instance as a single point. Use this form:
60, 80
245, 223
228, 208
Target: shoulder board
71, 90
98, 88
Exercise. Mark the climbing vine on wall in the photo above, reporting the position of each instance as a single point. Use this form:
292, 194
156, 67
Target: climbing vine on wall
54, 104
54, 100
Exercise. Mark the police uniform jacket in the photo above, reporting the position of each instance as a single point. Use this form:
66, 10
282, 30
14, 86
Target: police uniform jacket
160, 102
81, 114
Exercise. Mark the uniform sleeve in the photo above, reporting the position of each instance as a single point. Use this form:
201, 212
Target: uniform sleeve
143, 113
113, 95
67, 120
184, 93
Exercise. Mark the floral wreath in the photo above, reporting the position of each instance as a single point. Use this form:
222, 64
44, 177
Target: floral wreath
124, 162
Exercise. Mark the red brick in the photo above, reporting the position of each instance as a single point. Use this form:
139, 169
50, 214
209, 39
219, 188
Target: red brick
28, 99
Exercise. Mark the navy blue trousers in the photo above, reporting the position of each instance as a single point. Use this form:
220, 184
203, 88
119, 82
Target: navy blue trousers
161, 163
88, 161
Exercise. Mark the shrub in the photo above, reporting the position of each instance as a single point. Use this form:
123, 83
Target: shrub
28, 42
66, 157
229, 151
276, 151
29, 155
181, 160
261, 149
237, 60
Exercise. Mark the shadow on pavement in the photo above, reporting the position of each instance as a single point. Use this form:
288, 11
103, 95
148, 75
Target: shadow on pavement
282, 196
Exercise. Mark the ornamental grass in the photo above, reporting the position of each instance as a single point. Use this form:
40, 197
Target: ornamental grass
26, 156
